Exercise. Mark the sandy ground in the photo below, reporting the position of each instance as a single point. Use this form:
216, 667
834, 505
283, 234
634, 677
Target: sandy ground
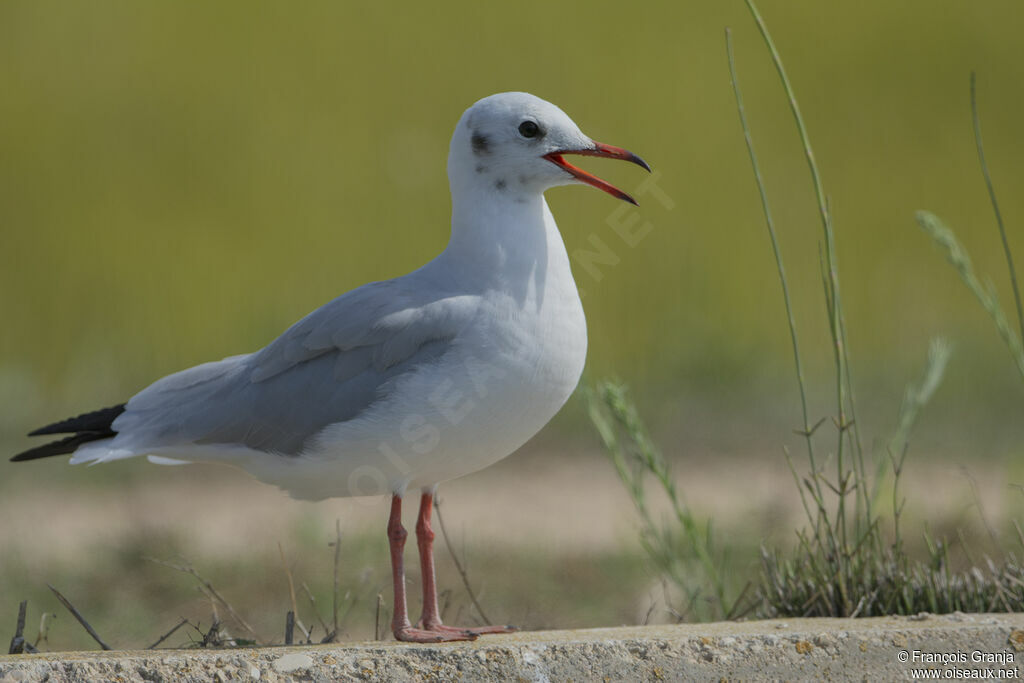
550, 533
547, 500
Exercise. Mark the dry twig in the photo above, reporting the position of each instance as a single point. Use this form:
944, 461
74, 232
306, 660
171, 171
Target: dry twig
18, 643
211, 591
289, 628
337, 563
81, 620
291, 593
376, 621
316, 612
458, 565
168, 634
44, 629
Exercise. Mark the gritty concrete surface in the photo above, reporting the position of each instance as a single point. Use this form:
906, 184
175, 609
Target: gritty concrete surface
954, 646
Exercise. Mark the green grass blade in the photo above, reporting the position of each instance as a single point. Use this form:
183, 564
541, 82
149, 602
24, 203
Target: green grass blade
958, 257
770, 224
995, 203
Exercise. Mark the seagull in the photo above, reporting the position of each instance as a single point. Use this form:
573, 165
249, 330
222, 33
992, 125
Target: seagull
401, 384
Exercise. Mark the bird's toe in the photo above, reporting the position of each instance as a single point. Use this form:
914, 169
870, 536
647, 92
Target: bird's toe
422, 635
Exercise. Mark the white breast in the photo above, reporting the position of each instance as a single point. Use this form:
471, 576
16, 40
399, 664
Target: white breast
504, 377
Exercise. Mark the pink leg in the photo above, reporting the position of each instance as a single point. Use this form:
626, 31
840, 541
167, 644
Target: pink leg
400, 625
431, 619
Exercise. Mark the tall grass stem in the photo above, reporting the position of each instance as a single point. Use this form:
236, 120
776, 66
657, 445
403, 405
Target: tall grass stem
995, 203
834, 306
770, 224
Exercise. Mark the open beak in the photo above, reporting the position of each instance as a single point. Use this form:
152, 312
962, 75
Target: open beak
598, 150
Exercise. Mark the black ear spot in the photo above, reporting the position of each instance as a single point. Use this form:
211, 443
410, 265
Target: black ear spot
481, 145
499, 184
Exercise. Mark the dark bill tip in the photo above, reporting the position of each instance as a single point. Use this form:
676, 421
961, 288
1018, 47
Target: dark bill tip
599, 150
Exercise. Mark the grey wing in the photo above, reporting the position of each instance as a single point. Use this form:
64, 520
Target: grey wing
327, 368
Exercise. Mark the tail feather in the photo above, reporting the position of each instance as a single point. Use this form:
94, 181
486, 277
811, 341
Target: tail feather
83, 429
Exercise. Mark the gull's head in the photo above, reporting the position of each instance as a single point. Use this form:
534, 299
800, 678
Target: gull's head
515, 144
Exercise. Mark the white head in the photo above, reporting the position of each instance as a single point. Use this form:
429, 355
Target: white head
513, 143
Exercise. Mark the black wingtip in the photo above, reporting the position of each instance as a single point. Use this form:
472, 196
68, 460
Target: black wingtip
83, 428
63, 446
95, 421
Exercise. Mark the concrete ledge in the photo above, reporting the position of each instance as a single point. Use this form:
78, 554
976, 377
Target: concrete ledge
834, 649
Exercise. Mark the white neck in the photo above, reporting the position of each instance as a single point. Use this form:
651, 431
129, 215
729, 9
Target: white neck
504, 237
499, 234
506, 241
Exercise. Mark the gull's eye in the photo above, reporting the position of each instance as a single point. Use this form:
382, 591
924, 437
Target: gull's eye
529, 129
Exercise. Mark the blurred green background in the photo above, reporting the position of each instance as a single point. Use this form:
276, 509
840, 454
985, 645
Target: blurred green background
181, 181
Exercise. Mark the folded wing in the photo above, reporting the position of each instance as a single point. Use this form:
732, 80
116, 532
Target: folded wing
327, 368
